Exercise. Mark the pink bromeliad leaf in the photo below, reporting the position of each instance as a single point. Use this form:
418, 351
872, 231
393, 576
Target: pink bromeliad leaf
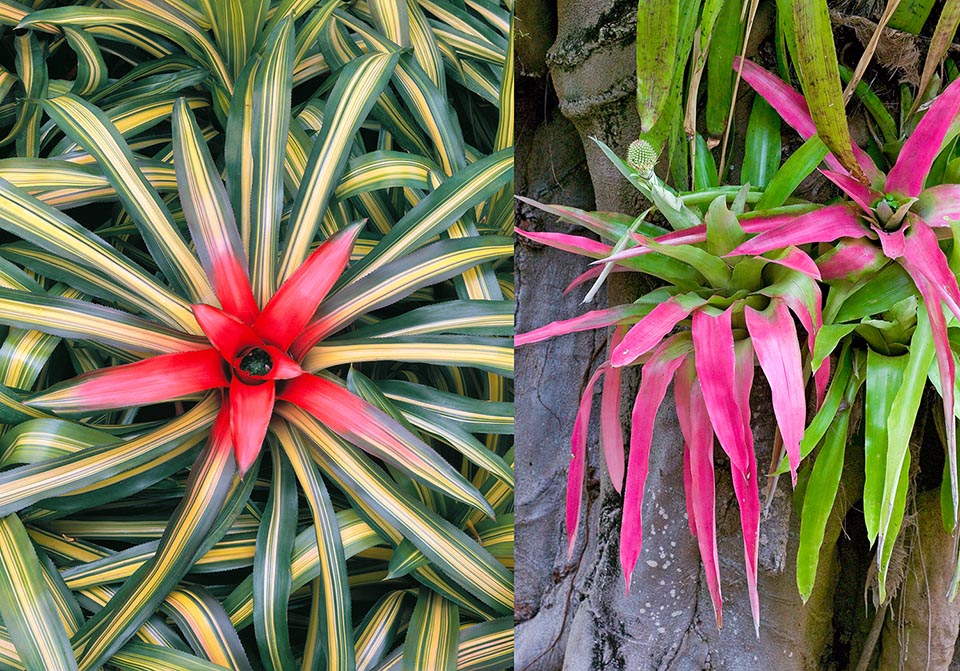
576, 244
947, 370
939, 205
591, 274
287, 313
656, 376
699, 475
823, 225
154, 380
594, 319
793, 108
251, 407
922, 256
698, 234
687, 481
796, 259
804, 299
649, 331
226, 333
921, 148
849, 259
775, 341
860, 194
578, 461
745, 483
716, 365
611, 430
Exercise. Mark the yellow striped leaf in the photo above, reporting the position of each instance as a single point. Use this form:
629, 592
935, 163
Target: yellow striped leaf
358, 87
129, 24
79, 319
378, 630
210, 484
441, 208
89, 127
331, 598
91, 69
431, 642
26, 485
69, 254
260, 119
206, 625
391, 19
448, 548
236, 25
490, 354
26, 605
271, 566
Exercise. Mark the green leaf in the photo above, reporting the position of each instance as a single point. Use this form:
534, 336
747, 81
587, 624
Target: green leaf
260, 120
210, 483
900, 423
761, 157
26, 604
89, 127
432, 635
798, 166
331, 600
271, 566
657, 28
816, 62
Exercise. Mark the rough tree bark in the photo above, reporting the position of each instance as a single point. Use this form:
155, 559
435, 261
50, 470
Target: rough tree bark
573, 613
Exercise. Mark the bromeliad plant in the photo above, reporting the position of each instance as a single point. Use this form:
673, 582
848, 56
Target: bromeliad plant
739, 310
249, 341
734, 281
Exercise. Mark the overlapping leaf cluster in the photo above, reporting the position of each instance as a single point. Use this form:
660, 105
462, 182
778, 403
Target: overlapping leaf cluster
871, 282
256, 361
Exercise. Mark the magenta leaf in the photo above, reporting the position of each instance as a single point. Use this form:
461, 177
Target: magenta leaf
576, 244
699, 476
716, 363
591, 274
578, 461
698, 234
687, 480
922, 256
795, 259
649, 331
802, 295
947, 369
775, 342
793, 108
745, 484
823, 225
850, 259
939, 205
657, 373
860, 194
611, 431
594, 319
921, 148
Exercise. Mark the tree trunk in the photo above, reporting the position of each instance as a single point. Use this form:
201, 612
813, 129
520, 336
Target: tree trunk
573, 613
